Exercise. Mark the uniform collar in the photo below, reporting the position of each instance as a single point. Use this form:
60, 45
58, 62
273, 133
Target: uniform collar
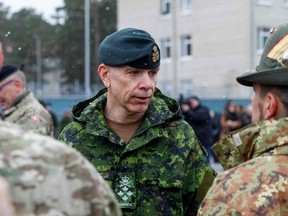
90, 114
16, 103
263, 138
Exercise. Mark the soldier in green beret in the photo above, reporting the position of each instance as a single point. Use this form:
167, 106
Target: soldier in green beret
256, 157
19, 104
136, 137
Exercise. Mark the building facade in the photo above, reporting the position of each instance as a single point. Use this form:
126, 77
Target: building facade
205, 44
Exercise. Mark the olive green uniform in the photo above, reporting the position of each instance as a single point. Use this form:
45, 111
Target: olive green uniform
161, 170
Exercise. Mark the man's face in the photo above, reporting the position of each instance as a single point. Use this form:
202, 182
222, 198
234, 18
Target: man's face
194, 103
130, 88
8, 93
257, 104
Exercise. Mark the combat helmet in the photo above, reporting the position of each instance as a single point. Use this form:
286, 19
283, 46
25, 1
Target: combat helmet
273, 66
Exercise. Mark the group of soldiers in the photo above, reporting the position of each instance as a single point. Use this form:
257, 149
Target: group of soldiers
128, 150
40, 175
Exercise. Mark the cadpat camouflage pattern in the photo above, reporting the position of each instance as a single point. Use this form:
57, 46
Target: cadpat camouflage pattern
30, 115
46, 177
261, 150
160, 171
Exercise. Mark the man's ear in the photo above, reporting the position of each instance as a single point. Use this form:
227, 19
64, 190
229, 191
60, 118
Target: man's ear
270, 106
104, 75
18, 84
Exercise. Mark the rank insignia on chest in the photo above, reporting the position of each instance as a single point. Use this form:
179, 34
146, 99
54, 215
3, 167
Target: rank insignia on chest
125, 190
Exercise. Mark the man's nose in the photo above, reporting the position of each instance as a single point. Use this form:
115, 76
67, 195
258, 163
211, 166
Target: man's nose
145, 81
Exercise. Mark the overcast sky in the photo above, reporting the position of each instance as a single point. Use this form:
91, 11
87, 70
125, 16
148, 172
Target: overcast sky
44, 7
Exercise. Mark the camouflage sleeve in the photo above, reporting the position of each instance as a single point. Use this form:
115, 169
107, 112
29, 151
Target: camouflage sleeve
6, 207
39, 125
199, 175
36, 123
47, 177
67, 135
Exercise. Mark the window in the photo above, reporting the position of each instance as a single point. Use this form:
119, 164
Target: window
186, 87
165, 7
263, 33
165, 48
186, 6
186, 45
264, 2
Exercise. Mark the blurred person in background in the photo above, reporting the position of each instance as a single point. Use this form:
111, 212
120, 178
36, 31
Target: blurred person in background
136, 136
48, 107
67, 118
230, 118
198, 116
19, 104
255, 157
245, 114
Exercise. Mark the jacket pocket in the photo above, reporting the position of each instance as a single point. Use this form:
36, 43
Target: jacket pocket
163, 194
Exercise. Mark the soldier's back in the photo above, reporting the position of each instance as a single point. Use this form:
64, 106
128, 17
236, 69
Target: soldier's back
256, 187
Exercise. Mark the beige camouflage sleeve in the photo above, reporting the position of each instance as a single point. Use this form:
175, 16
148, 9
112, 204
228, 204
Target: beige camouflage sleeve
47, 177
6, 208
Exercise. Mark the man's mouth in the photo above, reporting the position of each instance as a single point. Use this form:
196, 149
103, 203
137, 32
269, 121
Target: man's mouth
142, 98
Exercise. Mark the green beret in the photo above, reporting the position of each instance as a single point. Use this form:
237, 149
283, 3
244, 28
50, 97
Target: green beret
130, 46
273, 66
7, 70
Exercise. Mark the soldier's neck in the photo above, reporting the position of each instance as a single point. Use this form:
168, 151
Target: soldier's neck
125, 130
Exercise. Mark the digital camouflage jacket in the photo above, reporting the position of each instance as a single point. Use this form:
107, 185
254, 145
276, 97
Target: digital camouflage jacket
30, 115
48, 178
162, 169
256, 182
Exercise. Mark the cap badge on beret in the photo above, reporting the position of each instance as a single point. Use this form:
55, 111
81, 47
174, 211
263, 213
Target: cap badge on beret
155, 54
280, 51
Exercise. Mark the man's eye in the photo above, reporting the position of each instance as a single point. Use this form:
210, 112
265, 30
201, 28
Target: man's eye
153, 73
134, 72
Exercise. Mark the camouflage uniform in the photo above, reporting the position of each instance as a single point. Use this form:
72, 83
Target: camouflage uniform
257, 180
160, 171
31, 115
48, 178
6, 208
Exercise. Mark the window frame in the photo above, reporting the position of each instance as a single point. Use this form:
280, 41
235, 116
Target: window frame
165, 7
264, 2
165, 46
186, 46
186, 6
262, 36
